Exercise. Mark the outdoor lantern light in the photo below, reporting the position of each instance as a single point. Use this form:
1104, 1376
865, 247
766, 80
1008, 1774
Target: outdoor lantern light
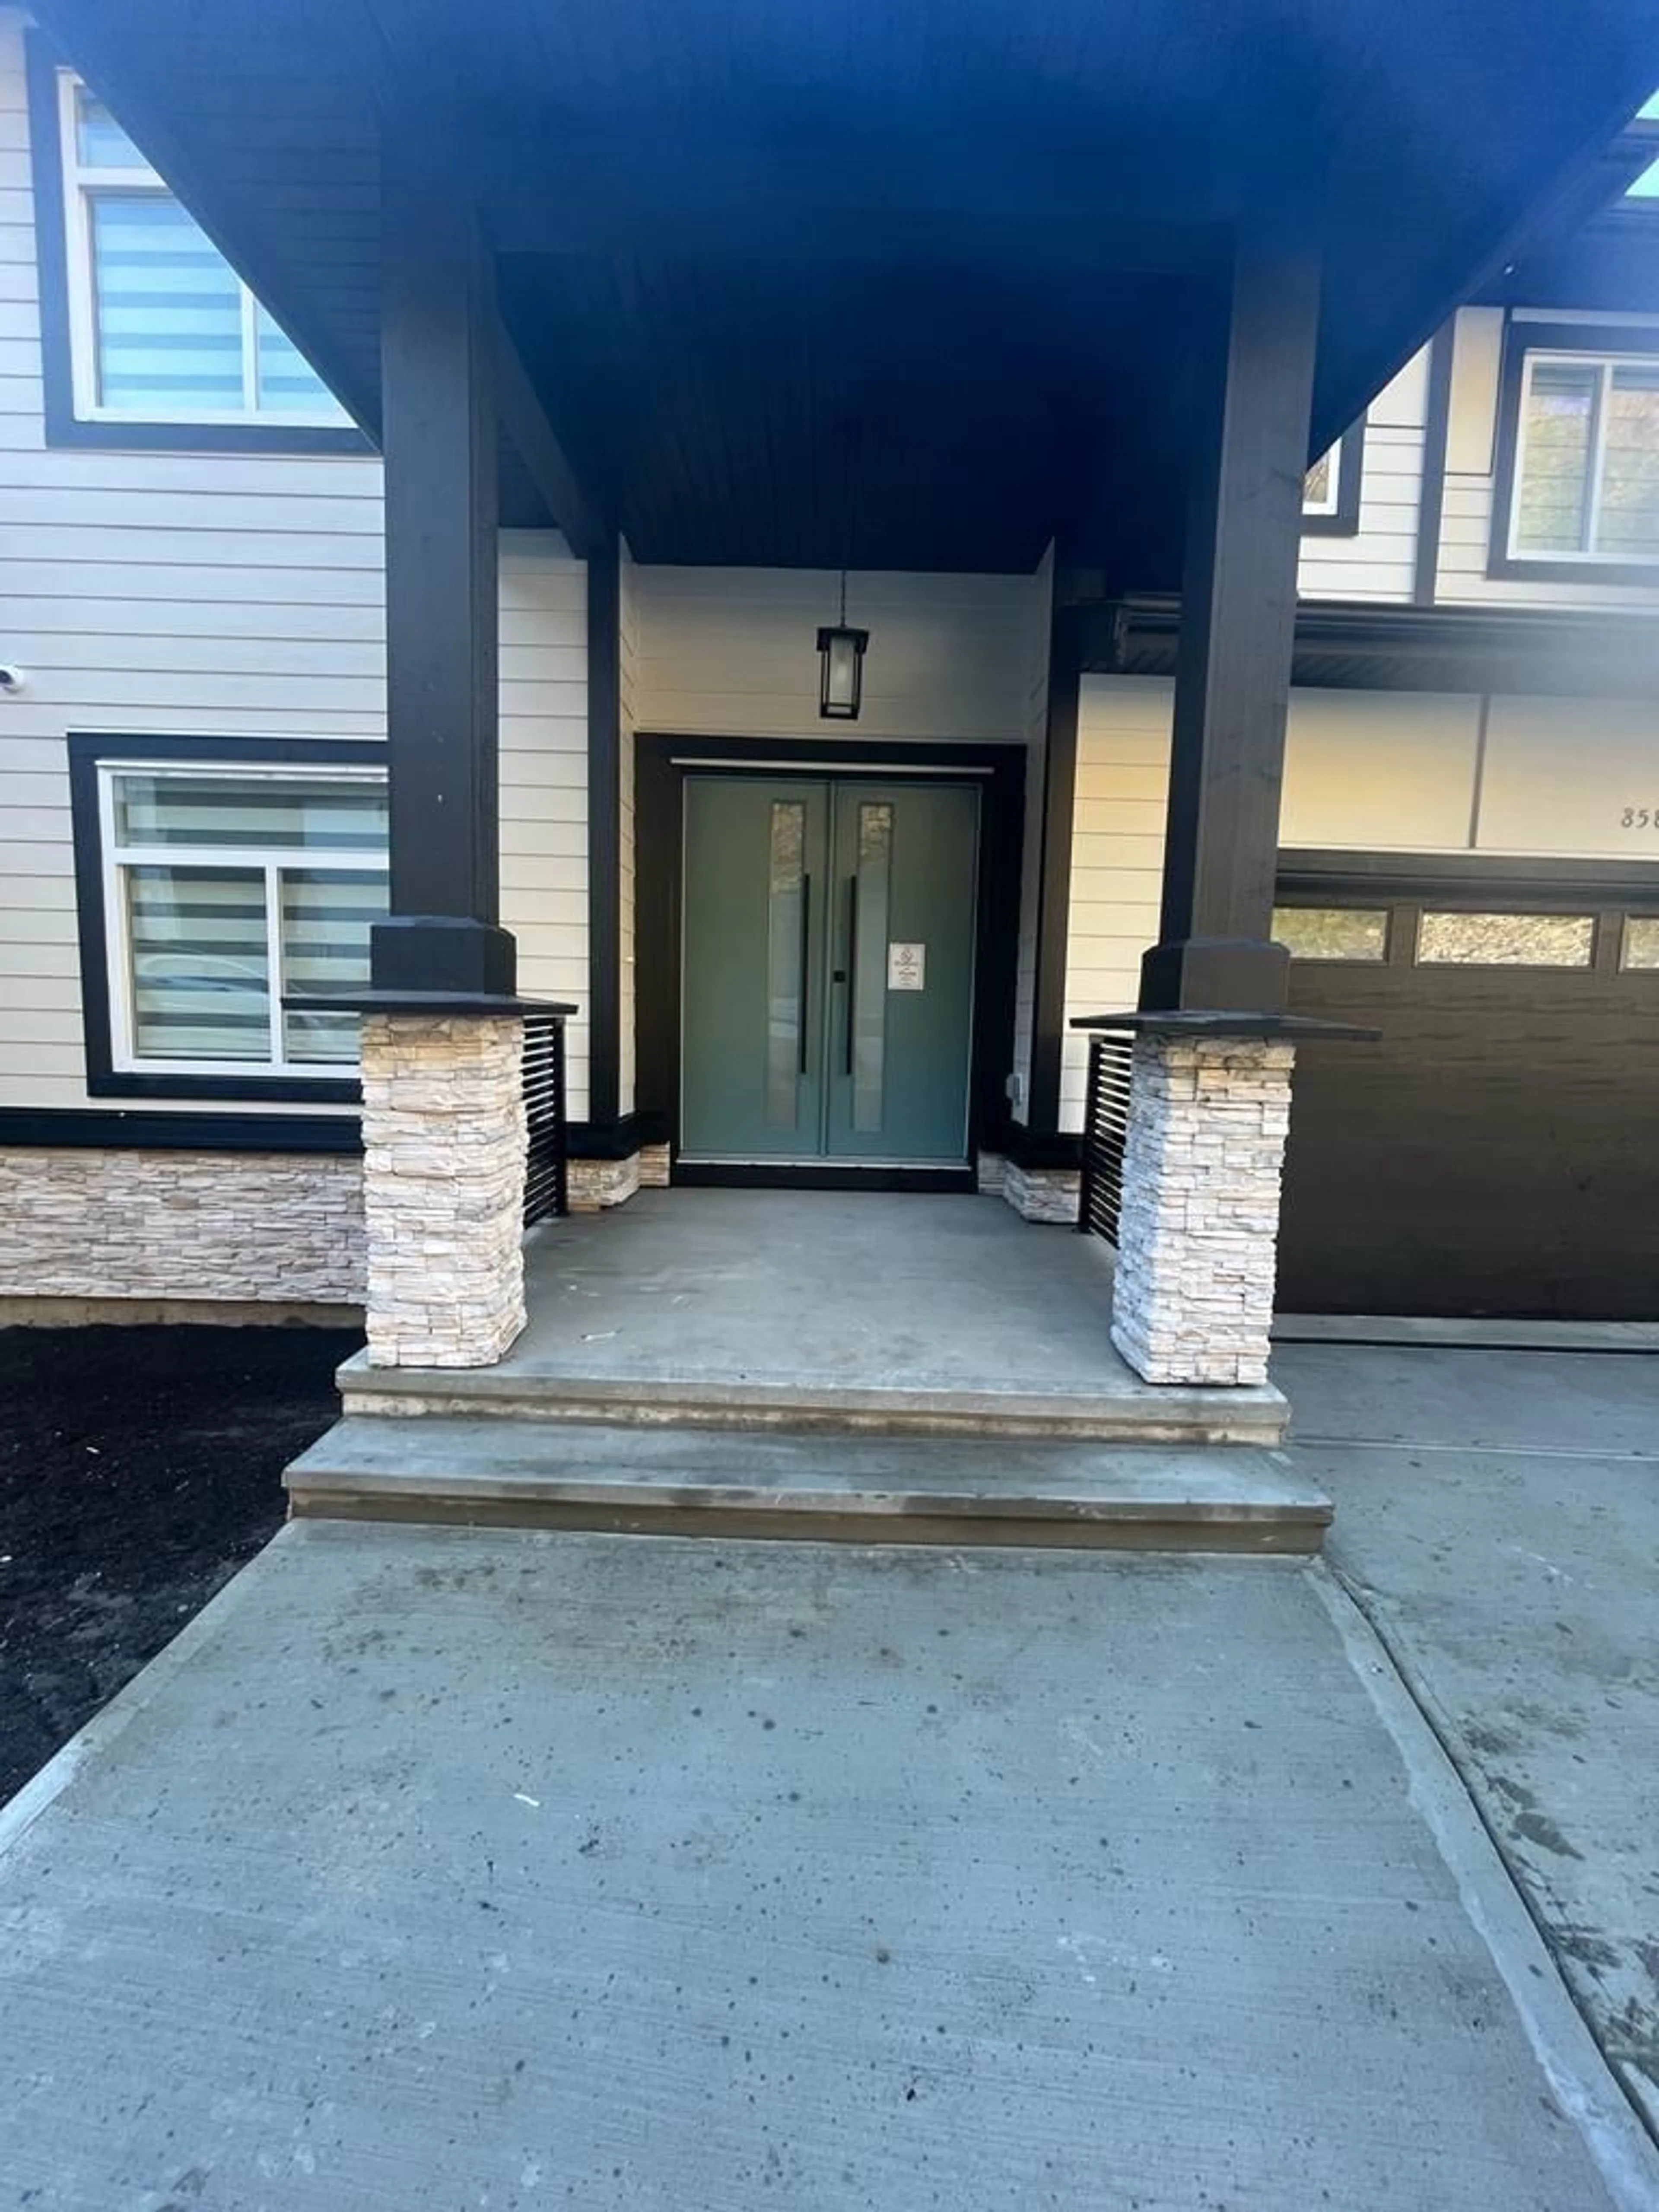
840, 667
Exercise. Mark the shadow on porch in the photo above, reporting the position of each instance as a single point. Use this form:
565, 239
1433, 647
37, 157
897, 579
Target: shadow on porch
929, 1369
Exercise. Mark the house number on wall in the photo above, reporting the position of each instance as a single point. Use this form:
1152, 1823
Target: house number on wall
907, 966
1639, 818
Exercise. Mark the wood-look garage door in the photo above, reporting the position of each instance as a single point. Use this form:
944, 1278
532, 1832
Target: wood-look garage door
1498, 1152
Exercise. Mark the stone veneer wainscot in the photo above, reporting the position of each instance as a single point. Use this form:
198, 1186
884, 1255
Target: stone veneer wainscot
268, 1228
444, 1142
1198, 1237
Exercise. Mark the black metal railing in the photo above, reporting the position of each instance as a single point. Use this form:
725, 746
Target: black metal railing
1105, 1130
545, 1177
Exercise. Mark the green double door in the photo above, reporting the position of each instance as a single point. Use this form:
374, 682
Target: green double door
827, 999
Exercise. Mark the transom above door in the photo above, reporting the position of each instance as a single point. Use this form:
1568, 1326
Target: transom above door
828, 945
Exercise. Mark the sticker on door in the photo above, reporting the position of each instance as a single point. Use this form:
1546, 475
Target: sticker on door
907, 966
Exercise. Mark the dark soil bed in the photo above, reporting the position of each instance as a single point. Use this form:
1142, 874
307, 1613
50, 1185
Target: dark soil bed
139, 1468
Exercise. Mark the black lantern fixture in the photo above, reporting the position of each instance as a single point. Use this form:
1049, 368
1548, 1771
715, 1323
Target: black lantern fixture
840, 667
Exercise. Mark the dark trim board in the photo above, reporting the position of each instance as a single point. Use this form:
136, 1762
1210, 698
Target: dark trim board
1504, 878
1520, 339
63, 426
87, 749
74, 1128
661, 763
718, 1176
605, 831
1431, 500
1343, 521
616, 1140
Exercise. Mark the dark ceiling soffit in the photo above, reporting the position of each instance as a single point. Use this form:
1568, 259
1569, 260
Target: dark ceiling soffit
1561, 195
74, 36
524, 423
1350, 645
533, 209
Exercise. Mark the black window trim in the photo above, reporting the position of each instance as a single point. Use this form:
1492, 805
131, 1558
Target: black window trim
1343, 521
63, 426
87, 750
1522, 337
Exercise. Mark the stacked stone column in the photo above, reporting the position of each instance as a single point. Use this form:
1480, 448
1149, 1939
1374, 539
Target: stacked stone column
1198, 1237
444, 1142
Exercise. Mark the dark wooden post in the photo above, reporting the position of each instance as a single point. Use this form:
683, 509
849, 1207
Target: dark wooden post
1233, 664
438, 419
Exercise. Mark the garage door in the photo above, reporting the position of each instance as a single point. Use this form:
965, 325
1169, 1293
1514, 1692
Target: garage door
1498, 1152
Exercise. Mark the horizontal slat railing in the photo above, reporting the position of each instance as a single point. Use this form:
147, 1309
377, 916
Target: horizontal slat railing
1105, 1130
544, 1176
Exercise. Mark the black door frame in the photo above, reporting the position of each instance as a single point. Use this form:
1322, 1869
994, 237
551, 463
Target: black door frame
661, 764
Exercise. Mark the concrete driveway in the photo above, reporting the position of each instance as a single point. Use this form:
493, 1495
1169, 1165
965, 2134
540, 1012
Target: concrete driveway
436, 1868
1497, 1519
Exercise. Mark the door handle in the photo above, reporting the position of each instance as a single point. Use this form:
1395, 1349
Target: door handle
805, 969
852, 964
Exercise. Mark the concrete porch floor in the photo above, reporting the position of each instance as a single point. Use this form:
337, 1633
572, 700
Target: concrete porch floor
823, 1308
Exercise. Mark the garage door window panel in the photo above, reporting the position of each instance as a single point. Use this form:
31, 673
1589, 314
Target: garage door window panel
1334, 932
1638, 951
1454, 938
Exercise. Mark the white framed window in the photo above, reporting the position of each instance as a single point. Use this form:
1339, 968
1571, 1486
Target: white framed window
1319, 487
162, 330
224, 888
1586, 474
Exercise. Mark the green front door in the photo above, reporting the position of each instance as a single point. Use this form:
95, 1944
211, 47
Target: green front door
829, 949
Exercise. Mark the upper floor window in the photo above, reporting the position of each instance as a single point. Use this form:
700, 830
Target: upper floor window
1330, 492
161, 329
1578, 453
1587, 468
148, 339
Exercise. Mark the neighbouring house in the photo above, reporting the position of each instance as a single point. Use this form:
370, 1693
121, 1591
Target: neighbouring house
728, 536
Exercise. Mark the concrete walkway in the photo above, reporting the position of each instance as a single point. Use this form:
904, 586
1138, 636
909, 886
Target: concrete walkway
436, 1868
1498, 1516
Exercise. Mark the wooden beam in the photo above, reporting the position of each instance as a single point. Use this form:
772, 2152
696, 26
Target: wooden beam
1233, 664
524, 423
438, 377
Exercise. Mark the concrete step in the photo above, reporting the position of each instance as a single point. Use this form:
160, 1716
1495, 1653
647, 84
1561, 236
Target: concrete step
921, 1490
1123, 1410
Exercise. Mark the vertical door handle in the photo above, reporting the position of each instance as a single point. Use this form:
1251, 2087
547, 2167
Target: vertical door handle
852, 964
805, 967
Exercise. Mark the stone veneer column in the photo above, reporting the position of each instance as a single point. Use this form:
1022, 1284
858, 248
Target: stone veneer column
1193, 1296
443, 1188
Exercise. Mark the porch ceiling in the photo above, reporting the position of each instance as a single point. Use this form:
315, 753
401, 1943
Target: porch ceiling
876, 280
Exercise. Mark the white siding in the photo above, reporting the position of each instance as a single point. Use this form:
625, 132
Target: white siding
733, 652
1466, 529
238, 597
543, 736
1117, 855
1378, 562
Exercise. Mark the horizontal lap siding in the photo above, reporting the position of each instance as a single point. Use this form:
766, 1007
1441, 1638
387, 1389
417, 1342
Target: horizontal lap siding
1378, 561
236, 596
1117, 856
545, 778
